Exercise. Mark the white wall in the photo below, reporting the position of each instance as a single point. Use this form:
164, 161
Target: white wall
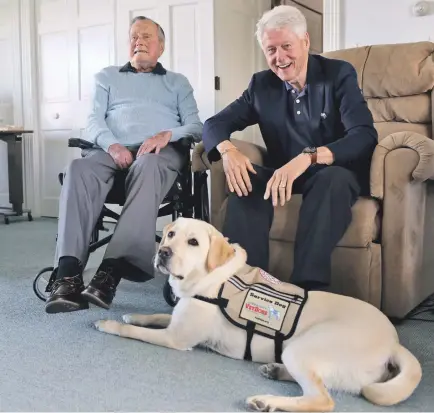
367, 22
6, 93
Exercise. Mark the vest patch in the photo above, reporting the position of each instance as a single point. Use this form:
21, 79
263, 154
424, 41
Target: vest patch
269, 277
264, 309
256, 299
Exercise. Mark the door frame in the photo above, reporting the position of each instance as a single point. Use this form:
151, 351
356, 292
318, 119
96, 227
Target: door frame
332, 27
28, 110
331, 23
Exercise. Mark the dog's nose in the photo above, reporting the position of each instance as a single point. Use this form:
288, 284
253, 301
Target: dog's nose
165, 253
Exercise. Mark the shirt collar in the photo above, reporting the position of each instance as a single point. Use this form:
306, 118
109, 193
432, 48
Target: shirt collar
290, 87
158, 69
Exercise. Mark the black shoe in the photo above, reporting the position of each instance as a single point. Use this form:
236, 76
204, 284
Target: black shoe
65, 296
102, 288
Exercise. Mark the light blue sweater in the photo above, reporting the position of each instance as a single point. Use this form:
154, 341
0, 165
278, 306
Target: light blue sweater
129, 107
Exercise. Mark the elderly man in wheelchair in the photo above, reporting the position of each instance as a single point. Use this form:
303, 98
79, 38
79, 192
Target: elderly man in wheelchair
142, 116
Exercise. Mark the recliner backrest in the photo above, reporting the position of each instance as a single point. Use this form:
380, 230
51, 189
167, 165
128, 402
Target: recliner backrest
397, 82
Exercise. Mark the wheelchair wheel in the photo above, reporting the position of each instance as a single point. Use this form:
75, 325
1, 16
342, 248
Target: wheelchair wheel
168, 294
41, 282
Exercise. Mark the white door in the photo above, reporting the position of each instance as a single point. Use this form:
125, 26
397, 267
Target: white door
75, 40
237, 53
188, 26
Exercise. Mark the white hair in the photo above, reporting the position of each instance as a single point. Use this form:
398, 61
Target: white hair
282, 17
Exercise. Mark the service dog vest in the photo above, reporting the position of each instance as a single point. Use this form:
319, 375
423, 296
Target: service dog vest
261, 304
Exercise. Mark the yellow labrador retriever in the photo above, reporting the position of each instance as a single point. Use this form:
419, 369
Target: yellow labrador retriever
335, 342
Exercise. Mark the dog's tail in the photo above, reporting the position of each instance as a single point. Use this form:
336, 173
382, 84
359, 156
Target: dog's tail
399, 387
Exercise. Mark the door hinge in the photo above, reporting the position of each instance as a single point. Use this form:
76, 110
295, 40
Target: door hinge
217, 83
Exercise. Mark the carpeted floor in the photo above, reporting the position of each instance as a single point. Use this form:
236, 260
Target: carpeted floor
60, 363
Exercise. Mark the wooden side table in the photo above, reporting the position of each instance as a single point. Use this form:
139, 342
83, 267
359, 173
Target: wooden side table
14, 139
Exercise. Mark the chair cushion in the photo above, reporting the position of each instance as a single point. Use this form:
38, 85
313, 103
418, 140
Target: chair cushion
364, 228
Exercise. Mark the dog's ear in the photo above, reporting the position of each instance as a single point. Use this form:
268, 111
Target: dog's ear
219, 252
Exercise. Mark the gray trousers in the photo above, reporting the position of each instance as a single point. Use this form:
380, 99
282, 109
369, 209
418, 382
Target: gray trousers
86, 184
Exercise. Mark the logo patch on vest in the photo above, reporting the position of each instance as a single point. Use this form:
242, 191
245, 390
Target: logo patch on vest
269, 278
264, 310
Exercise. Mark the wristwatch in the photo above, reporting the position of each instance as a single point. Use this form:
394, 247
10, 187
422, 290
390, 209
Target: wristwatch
312, 153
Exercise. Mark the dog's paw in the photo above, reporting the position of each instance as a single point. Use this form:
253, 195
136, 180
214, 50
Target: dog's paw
140, 320
128, 318
270, 370
263, 403
108, 326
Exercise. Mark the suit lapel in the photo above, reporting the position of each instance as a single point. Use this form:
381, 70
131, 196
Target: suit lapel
315, 82
278, 98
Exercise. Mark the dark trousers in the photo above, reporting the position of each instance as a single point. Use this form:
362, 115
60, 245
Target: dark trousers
325, 215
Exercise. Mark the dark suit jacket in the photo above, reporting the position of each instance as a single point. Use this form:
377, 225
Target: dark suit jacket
339, 116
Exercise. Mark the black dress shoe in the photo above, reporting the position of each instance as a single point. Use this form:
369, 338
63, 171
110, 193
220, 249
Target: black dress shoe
66, 296
102, 288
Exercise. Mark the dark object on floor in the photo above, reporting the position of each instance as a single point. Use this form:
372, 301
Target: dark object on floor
13, 139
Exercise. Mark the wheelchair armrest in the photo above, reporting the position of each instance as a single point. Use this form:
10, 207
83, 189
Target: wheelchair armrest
187, 142
79, 143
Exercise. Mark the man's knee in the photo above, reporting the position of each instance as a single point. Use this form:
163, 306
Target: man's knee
253, 201
146, 163
337, 178
145, 159
77, 168
90, 168
258, 184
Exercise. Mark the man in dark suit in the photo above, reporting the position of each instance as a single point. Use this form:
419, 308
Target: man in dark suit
319, 136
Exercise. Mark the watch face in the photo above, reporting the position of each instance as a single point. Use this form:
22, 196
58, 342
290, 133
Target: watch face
309, 150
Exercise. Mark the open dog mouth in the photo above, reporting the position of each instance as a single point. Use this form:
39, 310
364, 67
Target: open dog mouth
163, 269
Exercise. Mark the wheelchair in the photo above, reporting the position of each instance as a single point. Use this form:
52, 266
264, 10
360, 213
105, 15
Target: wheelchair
188, 197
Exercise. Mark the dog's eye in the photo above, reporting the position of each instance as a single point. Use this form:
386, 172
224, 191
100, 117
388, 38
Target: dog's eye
193, 242
170, 234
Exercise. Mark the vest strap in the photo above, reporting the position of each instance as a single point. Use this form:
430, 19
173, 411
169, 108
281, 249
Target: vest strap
250, 326
215, 301
250, 330
278, 347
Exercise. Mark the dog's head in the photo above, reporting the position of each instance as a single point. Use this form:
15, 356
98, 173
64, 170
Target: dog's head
191, 248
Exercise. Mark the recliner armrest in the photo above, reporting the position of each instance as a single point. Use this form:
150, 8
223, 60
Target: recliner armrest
421, 145
200, 162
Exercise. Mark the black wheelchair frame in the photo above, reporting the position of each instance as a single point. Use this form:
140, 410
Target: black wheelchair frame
188, 197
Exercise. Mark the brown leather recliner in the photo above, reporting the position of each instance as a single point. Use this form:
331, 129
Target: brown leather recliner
386, 257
